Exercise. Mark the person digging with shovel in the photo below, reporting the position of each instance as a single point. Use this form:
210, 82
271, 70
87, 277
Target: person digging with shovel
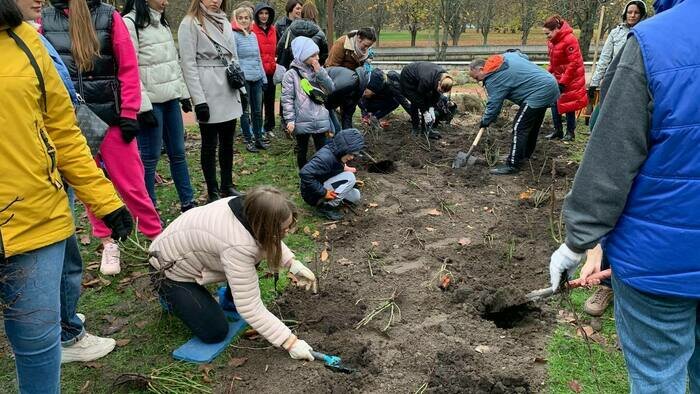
225, 241
512, 76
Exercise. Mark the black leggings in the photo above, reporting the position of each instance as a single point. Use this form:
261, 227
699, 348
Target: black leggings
303, 146
221, 135
196, 307
269, 104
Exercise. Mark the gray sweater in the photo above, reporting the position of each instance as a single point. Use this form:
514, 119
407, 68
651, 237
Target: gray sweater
618, 147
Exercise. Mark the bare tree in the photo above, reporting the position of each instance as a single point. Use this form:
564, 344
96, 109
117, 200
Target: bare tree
487, 11
527, 18
414, 14
582, 14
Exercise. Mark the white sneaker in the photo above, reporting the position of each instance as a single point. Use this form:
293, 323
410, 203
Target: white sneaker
81, 317
89, 348
110, 259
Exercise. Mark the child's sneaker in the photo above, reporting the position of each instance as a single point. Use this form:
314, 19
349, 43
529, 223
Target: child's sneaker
110, 264
250, 147
330, 212
261, 145
88, 348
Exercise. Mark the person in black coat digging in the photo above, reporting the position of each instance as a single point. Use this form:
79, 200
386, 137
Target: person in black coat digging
423, 84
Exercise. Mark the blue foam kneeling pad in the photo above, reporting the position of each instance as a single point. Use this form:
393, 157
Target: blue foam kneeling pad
196, 351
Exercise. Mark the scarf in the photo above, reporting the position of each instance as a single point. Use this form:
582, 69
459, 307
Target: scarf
361, 56
217, 19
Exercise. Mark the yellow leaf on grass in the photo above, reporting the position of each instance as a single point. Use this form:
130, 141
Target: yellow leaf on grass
324, 255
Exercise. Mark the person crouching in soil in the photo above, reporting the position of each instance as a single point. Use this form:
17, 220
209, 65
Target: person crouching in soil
225, 241
512, 76
327, 180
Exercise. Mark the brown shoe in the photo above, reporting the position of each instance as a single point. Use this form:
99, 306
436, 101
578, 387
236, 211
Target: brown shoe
599, 301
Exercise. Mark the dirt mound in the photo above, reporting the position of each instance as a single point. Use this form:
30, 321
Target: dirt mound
416, 226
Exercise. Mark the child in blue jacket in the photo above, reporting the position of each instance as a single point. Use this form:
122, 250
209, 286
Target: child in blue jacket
327, 180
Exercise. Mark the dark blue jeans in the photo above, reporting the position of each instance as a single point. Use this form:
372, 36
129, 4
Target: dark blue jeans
72, 329
570, 120
30, 290
171, 131
253, 108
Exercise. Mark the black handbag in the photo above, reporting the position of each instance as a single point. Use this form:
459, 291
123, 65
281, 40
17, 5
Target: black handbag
234, 73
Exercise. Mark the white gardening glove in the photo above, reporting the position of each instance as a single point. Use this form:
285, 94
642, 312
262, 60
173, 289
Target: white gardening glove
563, 259
301, 350
429, 117
305, 278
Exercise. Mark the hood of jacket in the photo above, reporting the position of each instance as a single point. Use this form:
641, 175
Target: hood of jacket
563, 32
494, 64
270, 20
642, 8
347, 141
663, 5
303, 48
304, 27
63, 4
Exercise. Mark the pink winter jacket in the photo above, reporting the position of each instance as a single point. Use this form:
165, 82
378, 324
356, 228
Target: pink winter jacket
207, 245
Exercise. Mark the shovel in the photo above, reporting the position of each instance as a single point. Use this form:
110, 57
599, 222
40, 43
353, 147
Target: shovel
540, 294
462, 158
334, 363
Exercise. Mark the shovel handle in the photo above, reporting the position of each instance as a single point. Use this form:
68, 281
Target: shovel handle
476, 141
597, 276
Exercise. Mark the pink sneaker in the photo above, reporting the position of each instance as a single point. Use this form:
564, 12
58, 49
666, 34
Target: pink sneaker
110, 259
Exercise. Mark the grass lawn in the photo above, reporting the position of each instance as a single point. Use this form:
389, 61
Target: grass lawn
151, 334
426, 38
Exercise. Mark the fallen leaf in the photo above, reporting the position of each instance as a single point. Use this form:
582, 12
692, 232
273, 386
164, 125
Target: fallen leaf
245, 172
375, 243
324, 255
115, 326
575, 386
373, 205
429, 229
141, 324
307, 230
434, 212
93, 266
85, 387
315, 234
464, 241
94, 365
526, 195
123, 342
344, 261
236, 362
587, 330
92, 282
206, 368
85, 239
540, 360
332, 226
483, 349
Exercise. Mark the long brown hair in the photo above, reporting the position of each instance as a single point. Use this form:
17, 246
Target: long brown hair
196, 12
553, 22
309, 11
266, 209
83, 38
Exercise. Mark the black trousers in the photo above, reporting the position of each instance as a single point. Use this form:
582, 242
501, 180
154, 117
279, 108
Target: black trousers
269, 105
217, 135
303, 146
526, 127
195, 306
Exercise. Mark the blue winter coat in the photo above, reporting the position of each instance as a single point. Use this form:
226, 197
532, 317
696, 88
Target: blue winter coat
249, 56
61, 68
654, 245
326, 164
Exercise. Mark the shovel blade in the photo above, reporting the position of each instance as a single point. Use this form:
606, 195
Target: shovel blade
460, 160
539, 294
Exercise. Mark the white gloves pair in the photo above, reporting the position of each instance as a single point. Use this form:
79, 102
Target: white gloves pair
298, 349
563, 260
429, 117
304, 277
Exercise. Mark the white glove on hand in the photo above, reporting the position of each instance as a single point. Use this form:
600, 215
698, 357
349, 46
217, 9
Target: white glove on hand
563, 259
301, 351
305, 278
429, 117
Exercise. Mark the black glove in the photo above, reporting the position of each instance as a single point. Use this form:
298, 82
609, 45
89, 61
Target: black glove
147, 120
129, 128
483, 125
120, 223
202, 112
591, 92
561, 88
186, 105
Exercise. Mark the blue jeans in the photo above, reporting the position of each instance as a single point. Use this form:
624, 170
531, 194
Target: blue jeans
254, 107
171, 131
660, 339
72, 329
570, 120
30, 290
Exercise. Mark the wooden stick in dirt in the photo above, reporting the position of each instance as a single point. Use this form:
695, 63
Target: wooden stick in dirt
597, 38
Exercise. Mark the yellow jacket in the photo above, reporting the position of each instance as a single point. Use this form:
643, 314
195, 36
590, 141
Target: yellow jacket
36, 149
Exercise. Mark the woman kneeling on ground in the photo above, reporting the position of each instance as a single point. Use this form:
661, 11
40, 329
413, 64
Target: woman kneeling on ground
225, 241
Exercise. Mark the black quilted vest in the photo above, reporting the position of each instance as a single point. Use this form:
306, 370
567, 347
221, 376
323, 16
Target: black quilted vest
100, 87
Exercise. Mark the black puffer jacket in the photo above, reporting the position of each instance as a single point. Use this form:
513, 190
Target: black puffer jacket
301, 28
419, 81
349, 85
389, 89
326, 164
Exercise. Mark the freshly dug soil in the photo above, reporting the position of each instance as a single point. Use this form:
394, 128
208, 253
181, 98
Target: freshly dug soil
418, 224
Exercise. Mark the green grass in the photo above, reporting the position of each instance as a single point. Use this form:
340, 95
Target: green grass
153, 334
602, 369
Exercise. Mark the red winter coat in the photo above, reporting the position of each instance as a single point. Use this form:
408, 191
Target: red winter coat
267, 42
566, 64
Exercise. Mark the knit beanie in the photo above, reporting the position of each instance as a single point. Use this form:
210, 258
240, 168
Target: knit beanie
303, 48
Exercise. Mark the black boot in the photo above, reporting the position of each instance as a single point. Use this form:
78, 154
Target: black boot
212, 195
329, 212
504, 169
229, 191
569, 136
557, 134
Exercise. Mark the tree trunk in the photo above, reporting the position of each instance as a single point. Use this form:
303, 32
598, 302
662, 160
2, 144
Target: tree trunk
414, 33
586, 22
330, 28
